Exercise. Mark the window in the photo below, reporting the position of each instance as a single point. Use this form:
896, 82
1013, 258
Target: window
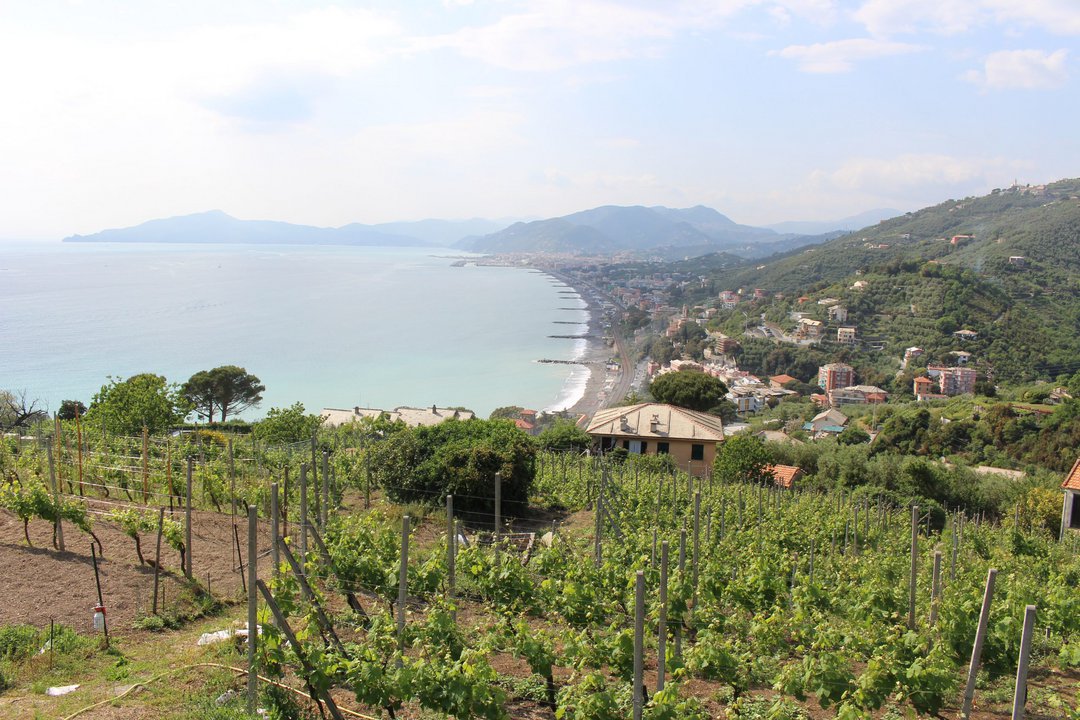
662, 448
626, 444
697, 452
1074, 511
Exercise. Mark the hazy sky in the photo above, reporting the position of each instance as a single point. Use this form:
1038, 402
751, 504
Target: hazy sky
114, 113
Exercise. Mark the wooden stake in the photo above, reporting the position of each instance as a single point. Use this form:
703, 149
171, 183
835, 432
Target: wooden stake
935, 589
498, 514
252, 597
661, 633
324, 506
59, 527
639, 644
187, 518
976, 650
403, 579
327, 628
145, 465
78, 429
309, 671
100, 599
303, 510
239, 557
451, 550
914, 565
1020, 692
275, 554
157, 555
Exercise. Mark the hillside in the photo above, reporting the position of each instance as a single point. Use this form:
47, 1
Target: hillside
1040, 223
926, 274
647, 231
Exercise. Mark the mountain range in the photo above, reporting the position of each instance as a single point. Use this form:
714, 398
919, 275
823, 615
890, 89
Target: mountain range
647, 232
216, 226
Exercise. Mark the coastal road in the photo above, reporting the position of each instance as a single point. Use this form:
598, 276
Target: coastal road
622, 348
626, 369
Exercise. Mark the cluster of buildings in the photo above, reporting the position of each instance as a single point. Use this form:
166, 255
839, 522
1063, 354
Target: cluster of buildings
941, 382
837, 380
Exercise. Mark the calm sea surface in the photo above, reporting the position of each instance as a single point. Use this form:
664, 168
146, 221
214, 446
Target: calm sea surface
326, 326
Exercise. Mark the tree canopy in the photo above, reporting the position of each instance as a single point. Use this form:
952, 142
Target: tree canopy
689, 389
69, 409
742, 458
287, 425
144, 400
564, 435
227, 388
426, 464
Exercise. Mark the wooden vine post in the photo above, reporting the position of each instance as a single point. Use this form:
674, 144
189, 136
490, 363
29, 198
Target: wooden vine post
914, 565
1020, 692
145, 465
639, 644
976, 650
403, 579
252, 609
187, 518
78, 439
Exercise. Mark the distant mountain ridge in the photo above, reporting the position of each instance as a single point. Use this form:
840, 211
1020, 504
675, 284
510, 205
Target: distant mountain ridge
216, 226
638, 229
648, 232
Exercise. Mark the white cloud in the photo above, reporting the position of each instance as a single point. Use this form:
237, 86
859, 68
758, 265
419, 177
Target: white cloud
821, 12
557, 34
948, 17
841, 55
898, 175
1022, 69
951, 17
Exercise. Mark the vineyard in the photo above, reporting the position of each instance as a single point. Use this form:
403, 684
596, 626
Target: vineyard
625, 590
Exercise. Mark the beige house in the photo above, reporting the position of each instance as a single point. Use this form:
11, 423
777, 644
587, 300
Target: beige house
413, 417
690, 437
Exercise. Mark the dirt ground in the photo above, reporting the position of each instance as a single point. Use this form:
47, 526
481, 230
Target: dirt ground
43, 584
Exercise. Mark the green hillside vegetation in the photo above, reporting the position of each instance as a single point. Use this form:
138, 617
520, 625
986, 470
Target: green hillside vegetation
920, 288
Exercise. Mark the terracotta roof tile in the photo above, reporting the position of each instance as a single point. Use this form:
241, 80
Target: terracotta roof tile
784, 475
1072, 481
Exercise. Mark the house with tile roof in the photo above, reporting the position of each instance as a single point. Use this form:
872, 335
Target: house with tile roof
829, 422
784, 475
413, 417
688, 436
1070, 510
779, 381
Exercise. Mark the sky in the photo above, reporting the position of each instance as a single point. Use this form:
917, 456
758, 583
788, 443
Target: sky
113, 113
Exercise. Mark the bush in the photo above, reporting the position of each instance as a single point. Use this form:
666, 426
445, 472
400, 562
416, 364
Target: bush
455, 457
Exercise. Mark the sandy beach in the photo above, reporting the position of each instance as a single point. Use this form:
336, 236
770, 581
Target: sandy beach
596, 356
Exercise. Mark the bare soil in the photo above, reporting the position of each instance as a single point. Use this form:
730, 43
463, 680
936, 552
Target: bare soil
43, 584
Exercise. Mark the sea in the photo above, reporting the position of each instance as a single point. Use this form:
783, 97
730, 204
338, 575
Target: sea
327, 326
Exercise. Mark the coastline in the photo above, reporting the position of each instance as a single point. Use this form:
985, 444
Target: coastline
594, 358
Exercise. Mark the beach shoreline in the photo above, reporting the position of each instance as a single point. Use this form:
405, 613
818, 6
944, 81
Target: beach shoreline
595, 356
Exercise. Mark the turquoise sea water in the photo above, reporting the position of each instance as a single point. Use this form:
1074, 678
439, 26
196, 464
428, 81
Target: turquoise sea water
326, 326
